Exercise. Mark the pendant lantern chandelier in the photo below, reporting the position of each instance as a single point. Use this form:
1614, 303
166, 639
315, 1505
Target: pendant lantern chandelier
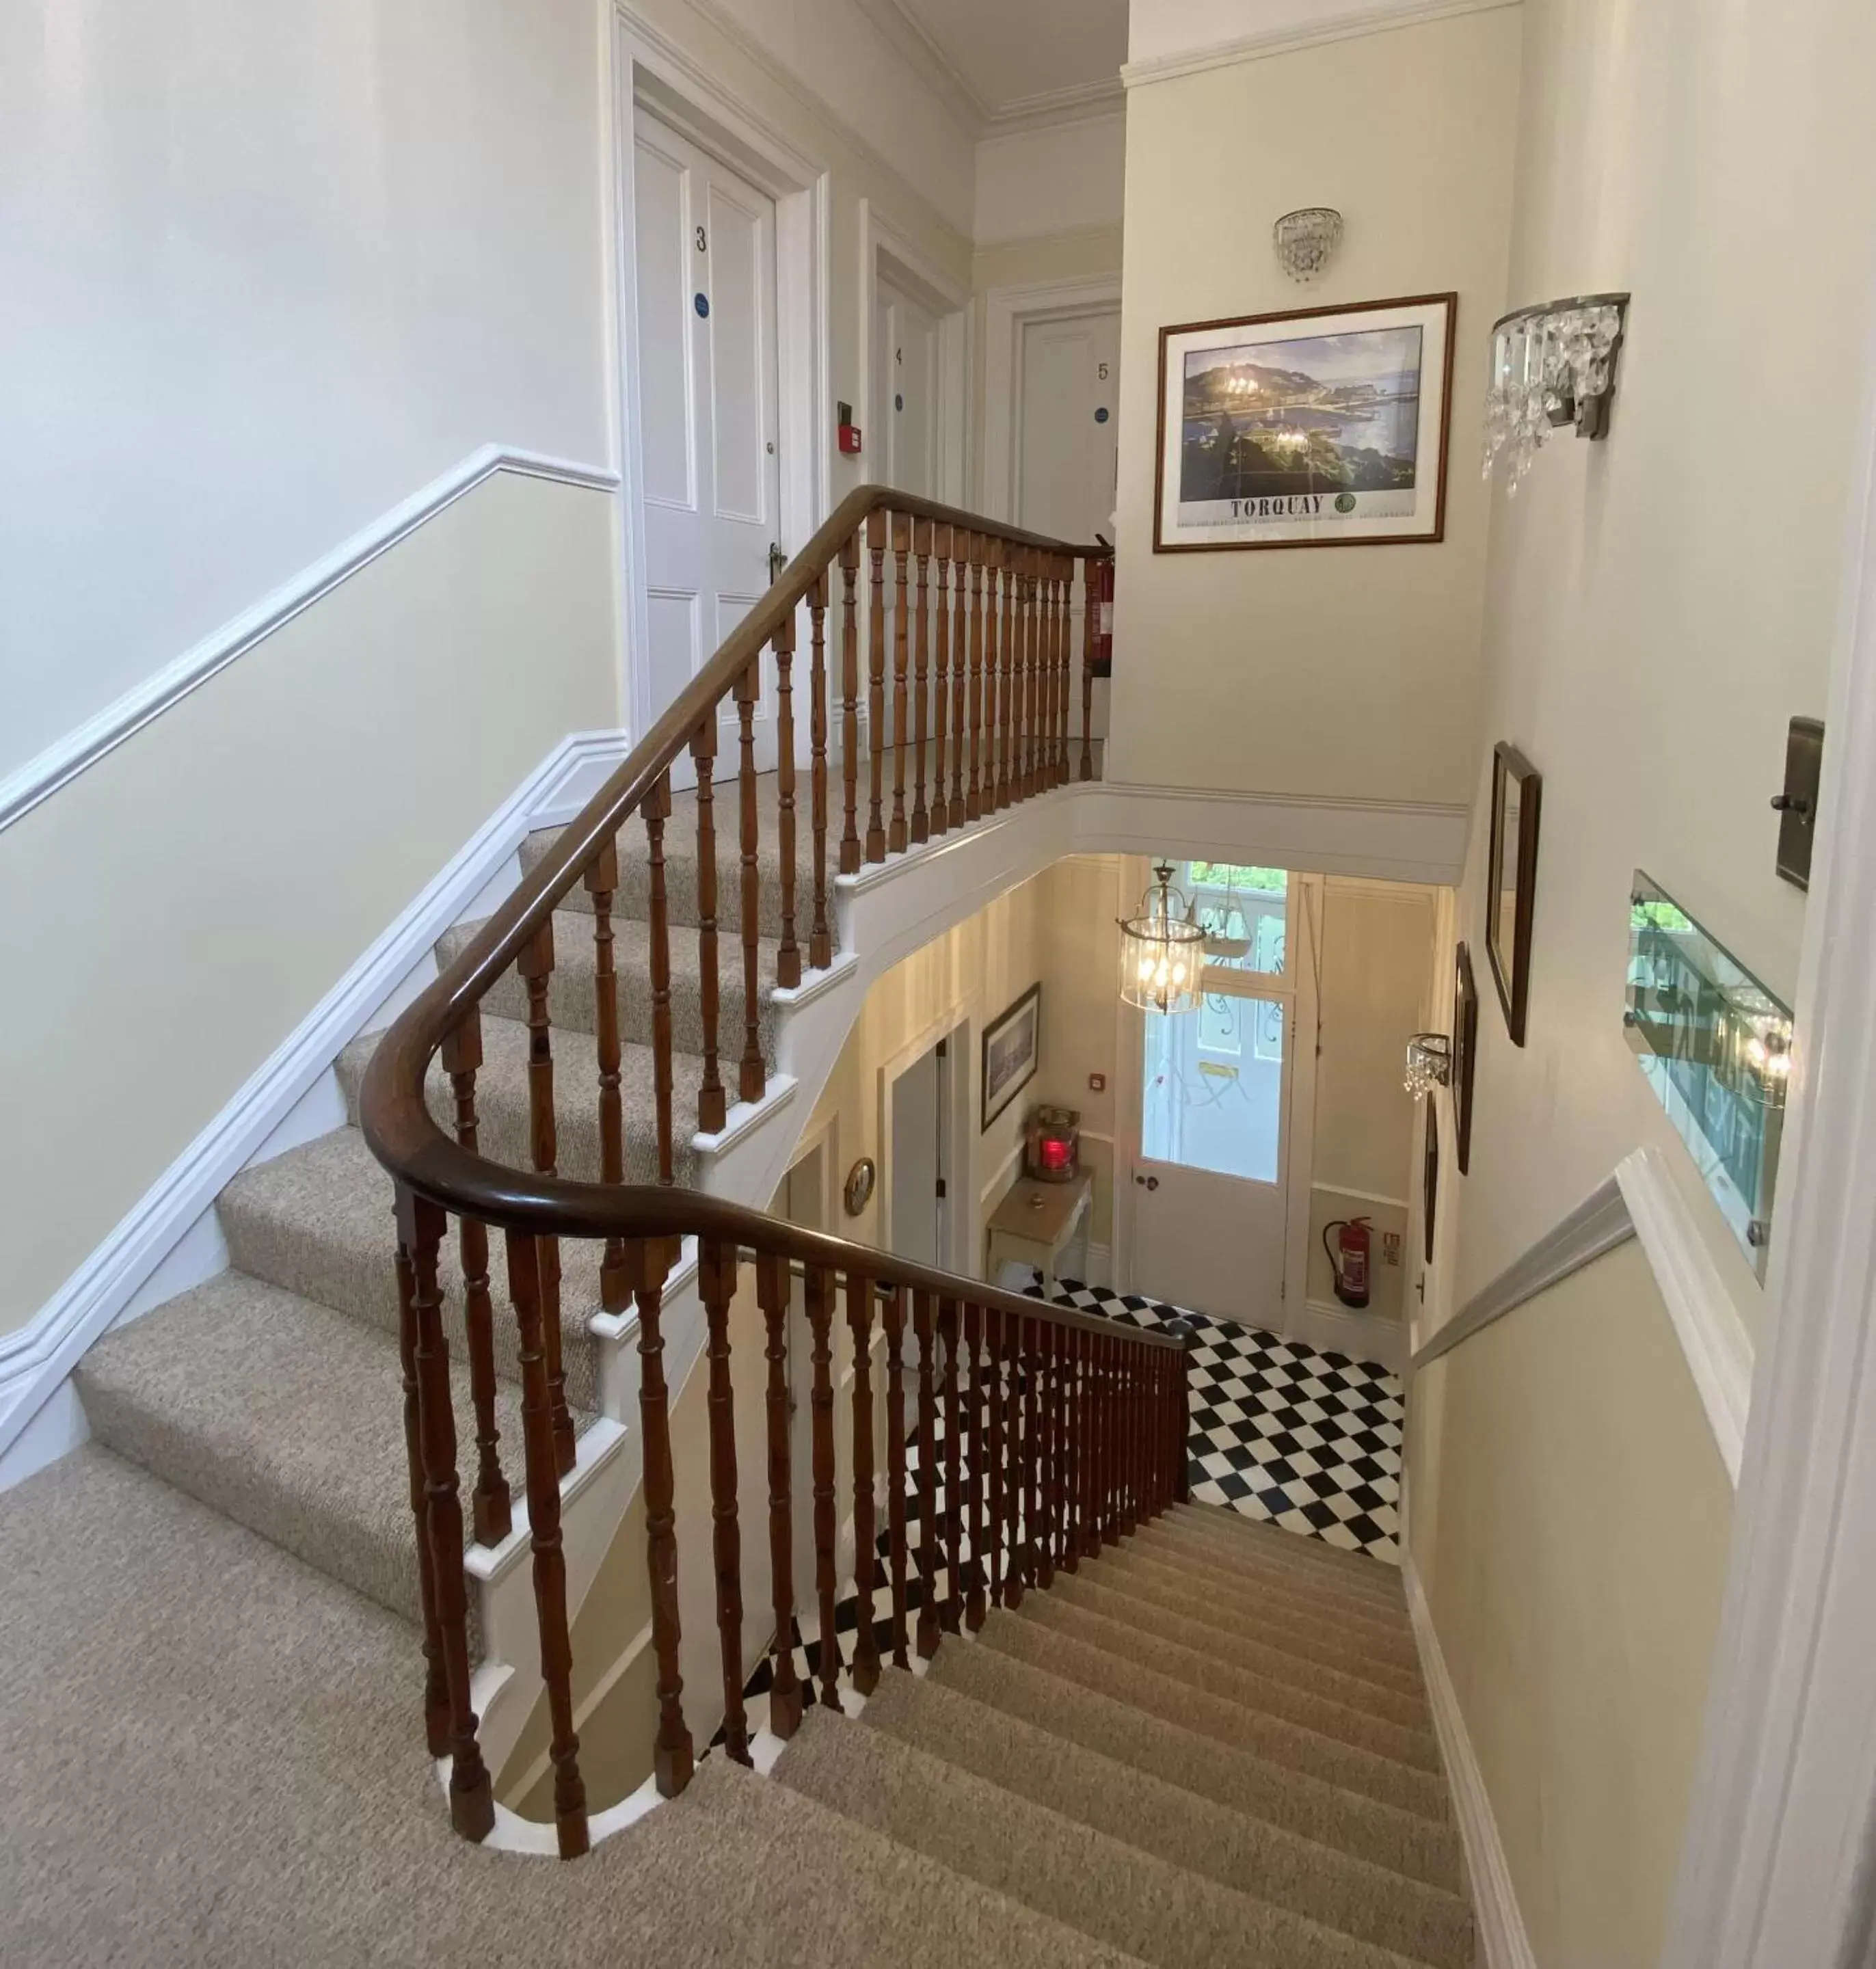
1162, 950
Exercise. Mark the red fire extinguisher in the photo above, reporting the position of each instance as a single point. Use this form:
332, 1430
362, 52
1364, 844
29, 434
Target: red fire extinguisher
1348, 1258
1101, 654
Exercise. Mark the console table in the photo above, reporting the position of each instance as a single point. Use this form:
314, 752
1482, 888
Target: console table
1035, 1223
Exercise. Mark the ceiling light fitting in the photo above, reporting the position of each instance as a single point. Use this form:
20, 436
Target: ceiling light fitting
1162, 949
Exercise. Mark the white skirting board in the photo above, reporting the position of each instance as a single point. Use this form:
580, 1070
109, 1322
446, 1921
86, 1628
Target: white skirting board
1361, 1336
1503, 1943
169, 1233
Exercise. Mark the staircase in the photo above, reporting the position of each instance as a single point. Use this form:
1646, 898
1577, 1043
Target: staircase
1127, 1730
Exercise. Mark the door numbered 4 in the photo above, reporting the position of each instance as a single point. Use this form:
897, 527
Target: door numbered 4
1146, 1182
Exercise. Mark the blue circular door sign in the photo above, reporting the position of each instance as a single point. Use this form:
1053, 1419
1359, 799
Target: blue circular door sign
703, 304
1100, 415
898, 403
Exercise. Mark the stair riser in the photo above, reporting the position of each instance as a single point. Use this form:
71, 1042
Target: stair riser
633, 899
1368, 1584
1245, 1588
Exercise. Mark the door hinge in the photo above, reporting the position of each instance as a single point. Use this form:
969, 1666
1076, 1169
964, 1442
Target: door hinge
941, 1187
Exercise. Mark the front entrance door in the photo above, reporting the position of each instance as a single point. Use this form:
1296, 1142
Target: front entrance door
708, 422
1210, 1191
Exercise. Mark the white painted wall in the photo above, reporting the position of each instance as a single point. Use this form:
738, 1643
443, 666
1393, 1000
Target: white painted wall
266, 271
1065, 178
1161, 31
1348, 671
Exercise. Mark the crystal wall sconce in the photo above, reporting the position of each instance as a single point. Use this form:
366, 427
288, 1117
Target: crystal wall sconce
1428, 1063
1305, 240
1552, 365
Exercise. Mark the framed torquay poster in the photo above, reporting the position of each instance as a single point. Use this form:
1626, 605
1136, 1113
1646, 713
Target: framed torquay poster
1316, 428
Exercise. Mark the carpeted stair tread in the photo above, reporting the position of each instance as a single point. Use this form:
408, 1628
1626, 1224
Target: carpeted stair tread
1229, 1539
1245, 1590
1162, 1627
502, 1102
573, 993
1374, 1657
317, 1221
1369, 1901
1295, 1801
1106, 1888
283, 1415
797, 1881
1245, 1687
1271, 1738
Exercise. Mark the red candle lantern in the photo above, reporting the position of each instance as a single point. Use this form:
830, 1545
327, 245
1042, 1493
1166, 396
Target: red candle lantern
1052, 1143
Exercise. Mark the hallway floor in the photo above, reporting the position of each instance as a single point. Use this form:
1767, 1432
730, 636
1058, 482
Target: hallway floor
1307, 1441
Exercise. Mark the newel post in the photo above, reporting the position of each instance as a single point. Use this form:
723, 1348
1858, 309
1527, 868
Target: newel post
1182, 1330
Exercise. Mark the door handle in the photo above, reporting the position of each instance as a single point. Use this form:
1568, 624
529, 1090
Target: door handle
1147, 1182
778, 560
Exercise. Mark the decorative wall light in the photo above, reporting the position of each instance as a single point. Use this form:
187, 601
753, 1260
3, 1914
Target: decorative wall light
1552, 364
1162, 949
1428, 1063
1305, 240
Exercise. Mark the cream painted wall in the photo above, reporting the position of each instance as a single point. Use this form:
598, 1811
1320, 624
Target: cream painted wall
1650, 629
1064, 177
187, 901
268, 271
1350, 672
1568, 1515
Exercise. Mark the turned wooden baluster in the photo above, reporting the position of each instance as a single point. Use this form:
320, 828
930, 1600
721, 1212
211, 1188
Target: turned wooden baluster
928, 1526
1135, 1433
1110, 1442
850, 705
713, 1101
550, 1561
996, 581
973, 797
1091, 1453
820, 935
940, 681
788, 955
1092, 607
1027, 726
602, 882
878, 526
901, 625
999, 1352
1048, 775
974, 1528
784, 1695
649, 1262
950, 1614
1016, 1449
1054, 1391
896, 1470
753, 1075
1064, 657
420, 1225
960, 639
716, 1286
437, 1714
655, 809
820, 1304
535, 965
1009, 645
1187, 1336
1078, 1450
865, 1531
490, 1511
1048, 1503
921, 829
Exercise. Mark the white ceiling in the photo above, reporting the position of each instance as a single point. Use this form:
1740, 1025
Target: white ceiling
1008, 63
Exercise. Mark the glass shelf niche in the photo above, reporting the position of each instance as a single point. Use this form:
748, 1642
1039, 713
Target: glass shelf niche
1716, 1046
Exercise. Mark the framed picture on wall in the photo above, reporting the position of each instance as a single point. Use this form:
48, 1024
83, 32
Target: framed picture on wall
1465, 1051
1512, 881
1313, 428
1429, 1181
1011, 1046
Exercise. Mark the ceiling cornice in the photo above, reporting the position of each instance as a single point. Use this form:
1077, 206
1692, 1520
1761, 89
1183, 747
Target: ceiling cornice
1372, 20
1084, 103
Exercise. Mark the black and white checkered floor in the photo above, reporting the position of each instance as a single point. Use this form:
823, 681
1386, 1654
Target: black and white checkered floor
1310, 1442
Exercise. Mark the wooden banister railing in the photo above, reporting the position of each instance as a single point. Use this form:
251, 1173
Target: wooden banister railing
1050, 1432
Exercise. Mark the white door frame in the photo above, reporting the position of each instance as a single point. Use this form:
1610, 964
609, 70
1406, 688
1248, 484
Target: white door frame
1007, 312
1297, 1129
949, 303
651, 72
954, 1026
1781, 1847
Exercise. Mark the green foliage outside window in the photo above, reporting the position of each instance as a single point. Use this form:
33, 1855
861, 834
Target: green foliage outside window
1227, 874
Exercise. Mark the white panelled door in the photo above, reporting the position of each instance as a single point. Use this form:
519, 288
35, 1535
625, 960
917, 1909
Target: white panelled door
907, 397
1068, 440
708, 421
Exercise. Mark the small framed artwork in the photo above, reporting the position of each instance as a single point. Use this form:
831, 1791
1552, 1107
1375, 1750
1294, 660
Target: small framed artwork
1314, 428
1465, 1051
1429, 1181
1012, 1043
1512, 881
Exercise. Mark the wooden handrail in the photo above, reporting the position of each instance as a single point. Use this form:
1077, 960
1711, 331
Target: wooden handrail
1076, 1427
